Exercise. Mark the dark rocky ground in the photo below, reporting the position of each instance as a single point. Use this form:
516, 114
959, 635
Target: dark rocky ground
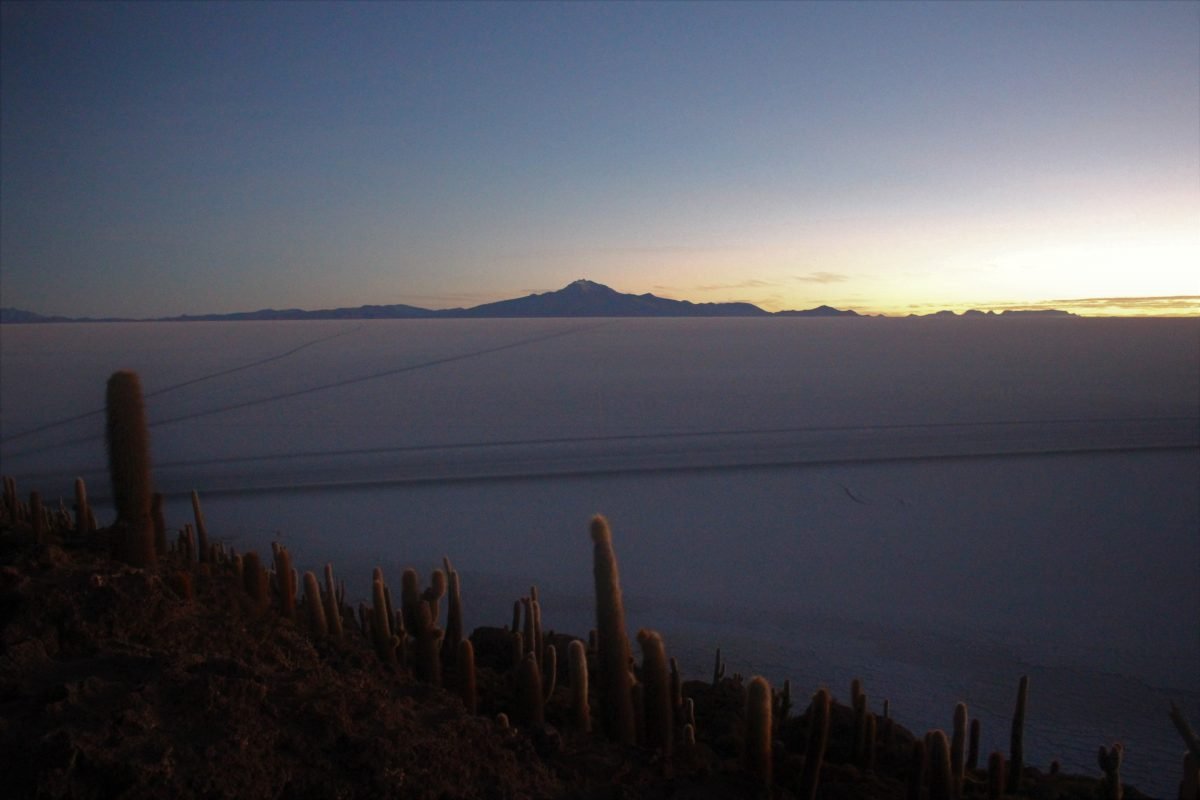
120, 682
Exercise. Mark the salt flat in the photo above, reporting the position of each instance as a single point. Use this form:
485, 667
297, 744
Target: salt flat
934, 505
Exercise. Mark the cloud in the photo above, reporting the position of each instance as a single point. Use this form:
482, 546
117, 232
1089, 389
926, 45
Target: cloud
1190, 302
823, 277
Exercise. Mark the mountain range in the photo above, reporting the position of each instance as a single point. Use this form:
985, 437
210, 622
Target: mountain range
582, 298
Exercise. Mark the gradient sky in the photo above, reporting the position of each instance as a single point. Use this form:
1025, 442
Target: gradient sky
185, 158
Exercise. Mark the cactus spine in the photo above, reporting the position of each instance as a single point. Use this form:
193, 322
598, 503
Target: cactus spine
613, 662
818, 738
658, 700
577, 661
1016, 748
128, 441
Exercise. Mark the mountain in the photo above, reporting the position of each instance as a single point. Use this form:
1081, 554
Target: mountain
585, 298
819, 311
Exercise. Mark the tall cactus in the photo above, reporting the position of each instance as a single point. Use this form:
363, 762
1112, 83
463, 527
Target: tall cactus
128, 440
613, 663
818, 738
1016, 757
758, 731
656, 676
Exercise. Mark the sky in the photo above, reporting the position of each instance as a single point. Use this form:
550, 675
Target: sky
170, 158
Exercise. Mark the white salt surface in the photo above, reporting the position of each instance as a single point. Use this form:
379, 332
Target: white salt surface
935, 506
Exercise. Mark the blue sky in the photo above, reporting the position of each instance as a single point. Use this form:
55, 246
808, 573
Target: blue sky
184, 158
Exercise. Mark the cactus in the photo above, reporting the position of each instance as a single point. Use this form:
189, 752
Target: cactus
941, 782
37, 516
158, 521
550, 670
577, 662
1110, 765
1016, 748
313, 609
83, 511
973, 747
872, 727
410, 599
254, 577
718, 668
613, 661
128, 440
658, 700
758, 730
454, 620
1189, 787
818, 738
957, 748
333, 611
11, 503
529, 691
434, 594
995, 776
201, 530
859, 700
284, 576
381, 627
916, 769
464, 664
429, 647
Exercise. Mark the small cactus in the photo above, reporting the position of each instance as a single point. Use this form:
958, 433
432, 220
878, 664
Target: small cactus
577, 661
550, 671
529, 691
201, 530
818, 738
657, 699
1017, 741
973, 747
758, 730
333, 611
916, 769
958, 743
37, 516
313, 609
284, 576
1110, 764
941, 781
464, 665
410, 599
381, 628
83, 511
995, 776
254, 578
158, 521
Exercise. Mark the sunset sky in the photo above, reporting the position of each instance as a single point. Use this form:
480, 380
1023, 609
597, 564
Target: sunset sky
887, 157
